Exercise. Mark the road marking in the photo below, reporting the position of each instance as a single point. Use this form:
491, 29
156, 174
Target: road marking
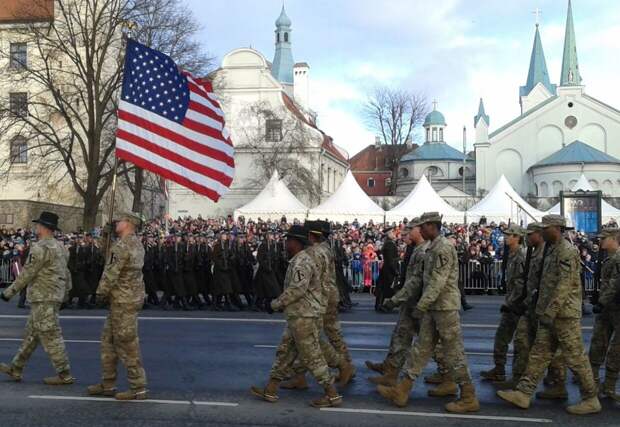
69, 341
383, 350
107, 399
254, 320
438, 415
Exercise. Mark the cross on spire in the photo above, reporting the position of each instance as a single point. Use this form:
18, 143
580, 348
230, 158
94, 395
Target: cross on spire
537, 12
434, 104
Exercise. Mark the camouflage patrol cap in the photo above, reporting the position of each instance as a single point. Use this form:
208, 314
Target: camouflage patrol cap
608, 232
430, 217
415, 222
534, 227
553, 220
514, 230
131, 217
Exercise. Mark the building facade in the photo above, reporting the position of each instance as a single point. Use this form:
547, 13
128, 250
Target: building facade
272, 126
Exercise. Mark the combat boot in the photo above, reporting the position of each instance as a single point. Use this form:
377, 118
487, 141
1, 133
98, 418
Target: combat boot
388, 378
585, 407
106, 390
11, 371
467, 403
298, 382
330, 399
498, 373
137, 394
447, 388
516, 397
63, 378
506, 385
555, 392
434, 378
346, 373
377, 367
269, 393
399, 394
608, 389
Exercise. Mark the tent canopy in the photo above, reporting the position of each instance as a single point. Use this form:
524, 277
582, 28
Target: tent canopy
503, 203
423, 198
608, 211
347, 203
273, 202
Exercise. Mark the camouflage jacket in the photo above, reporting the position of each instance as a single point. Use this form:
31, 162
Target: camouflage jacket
534, 274
411, 291
560, 284
440, 288
45, 273
610, 282
515, 281
303, 293
122, 281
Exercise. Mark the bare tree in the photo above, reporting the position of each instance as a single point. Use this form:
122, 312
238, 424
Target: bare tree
279, 140
73, 79
394, 114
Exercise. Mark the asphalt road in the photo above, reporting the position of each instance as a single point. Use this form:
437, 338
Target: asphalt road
200, 366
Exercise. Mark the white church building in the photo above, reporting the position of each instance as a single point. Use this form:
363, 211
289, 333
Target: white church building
267, 109
561, 133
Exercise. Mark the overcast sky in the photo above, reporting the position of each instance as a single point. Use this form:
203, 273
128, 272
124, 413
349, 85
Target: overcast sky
450, 50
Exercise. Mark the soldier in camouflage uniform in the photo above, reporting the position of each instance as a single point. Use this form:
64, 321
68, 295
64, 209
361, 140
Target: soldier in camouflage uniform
122, 286
48, 283
301, 302
438, 309
334, 349
605, 339
559, 316
515, 281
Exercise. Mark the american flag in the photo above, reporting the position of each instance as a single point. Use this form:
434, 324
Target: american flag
170, 123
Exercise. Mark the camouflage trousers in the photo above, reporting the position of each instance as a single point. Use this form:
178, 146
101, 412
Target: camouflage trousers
523, 341
503, 337
436, 326
564, 334
43, 327
613, 353
402, 337
119, 340
300, 340
331, 356
601, 336
333, 329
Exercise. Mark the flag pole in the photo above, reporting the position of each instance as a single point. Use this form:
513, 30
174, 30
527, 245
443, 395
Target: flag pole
111, 211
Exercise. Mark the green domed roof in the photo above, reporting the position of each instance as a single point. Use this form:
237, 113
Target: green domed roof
283, 20
577, 152
435, 118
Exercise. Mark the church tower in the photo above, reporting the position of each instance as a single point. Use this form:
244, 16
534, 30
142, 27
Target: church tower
282, 67
538, 87
570, 65
481, 124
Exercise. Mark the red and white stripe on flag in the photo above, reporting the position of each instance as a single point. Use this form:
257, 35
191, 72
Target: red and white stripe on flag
171, 123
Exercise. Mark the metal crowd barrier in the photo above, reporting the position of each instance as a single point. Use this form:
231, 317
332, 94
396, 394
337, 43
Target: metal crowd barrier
6, 277
480, 275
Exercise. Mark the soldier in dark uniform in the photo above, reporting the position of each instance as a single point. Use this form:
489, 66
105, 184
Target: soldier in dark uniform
148, 270
267, 283
235, 281
340, 259
389, 271
222, 283
174, 265
164, 283
245, 269
204, 276
190, 261
93, 259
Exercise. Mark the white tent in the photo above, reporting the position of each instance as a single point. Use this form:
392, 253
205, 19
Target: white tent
347, 203
423, 198
503, 203
608, 211
273, 202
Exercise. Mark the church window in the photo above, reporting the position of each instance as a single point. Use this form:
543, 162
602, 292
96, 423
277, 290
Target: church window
557, 187
434, 134
594, 184
273, 131
544, 189
286, 37
371, 183
570, 105
428, 134
19, 56
404, 172
18, 103
570, 122
6, 218
440, 134
19, 150
607, 187
277, 37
